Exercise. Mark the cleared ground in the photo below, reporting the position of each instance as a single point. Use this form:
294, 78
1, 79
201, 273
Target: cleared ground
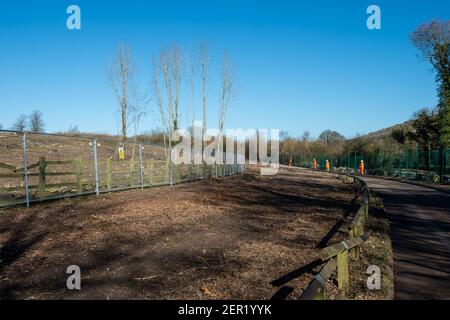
222, 239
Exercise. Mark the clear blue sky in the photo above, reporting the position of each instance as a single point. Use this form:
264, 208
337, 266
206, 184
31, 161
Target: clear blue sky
302, 65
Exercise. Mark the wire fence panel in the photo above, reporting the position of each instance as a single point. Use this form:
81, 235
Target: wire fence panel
65, 165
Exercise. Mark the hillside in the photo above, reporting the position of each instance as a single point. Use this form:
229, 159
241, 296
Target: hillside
385, 132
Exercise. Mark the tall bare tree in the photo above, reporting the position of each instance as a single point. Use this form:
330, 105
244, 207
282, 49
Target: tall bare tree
166, 88
227, 92
228, 89
176, 75
205, 60
159, 100
191, 82
121, 78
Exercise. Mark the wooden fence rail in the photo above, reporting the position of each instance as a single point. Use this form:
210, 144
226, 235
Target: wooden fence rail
335, 258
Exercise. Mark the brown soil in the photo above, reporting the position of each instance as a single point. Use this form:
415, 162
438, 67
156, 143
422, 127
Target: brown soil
238, 237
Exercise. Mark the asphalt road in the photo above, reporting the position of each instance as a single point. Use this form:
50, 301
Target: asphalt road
420, 231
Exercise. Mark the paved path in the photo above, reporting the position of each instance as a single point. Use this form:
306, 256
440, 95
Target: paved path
420, 231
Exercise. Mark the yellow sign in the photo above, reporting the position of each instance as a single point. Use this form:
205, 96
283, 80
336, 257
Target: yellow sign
121, 153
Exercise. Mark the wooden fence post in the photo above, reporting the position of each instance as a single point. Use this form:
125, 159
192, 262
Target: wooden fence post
342, 270
361, 226
108, 174
322, 294
42, 165
354, 233
356, 252
366, 210
79, 174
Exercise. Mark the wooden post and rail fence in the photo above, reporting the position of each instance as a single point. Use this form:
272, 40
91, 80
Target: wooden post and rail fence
42, 175
335, 258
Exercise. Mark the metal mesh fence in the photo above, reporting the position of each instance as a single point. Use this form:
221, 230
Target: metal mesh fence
415, 163
37, 167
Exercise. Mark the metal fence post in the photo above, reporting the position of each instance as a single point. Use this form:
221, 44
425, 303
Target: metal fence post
429, 161
170, 163
25, 169
191, 163
407, 163
442, 152
417, 158
140, 166
445, 163
94, 145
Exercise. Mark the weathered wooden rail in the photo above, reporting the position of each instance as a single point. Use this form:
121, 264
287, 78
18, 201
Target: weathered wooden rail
335, 258
42, 173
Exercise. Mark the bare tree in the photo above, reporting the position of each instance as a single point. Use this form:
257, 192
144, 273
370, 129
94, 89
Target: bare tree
73, 129
177, 74
205, 60
227, 89
36, 121
166, 88
136, 111
191, 81
159, 100
121, 78
20, 124
306, 136
227, 93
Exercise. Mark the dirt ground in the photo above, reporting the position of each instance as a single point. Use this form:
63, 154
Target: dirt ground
235, 238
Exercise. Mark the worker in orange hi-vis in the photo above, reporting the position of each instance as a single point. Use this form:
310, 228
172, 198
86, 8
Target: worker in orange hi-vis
315, 164
290, 162
361, 167
327, 165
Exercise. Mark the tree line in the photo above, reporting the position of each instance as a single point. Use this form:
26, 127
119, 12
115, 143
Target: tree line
428, 128
33, 122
